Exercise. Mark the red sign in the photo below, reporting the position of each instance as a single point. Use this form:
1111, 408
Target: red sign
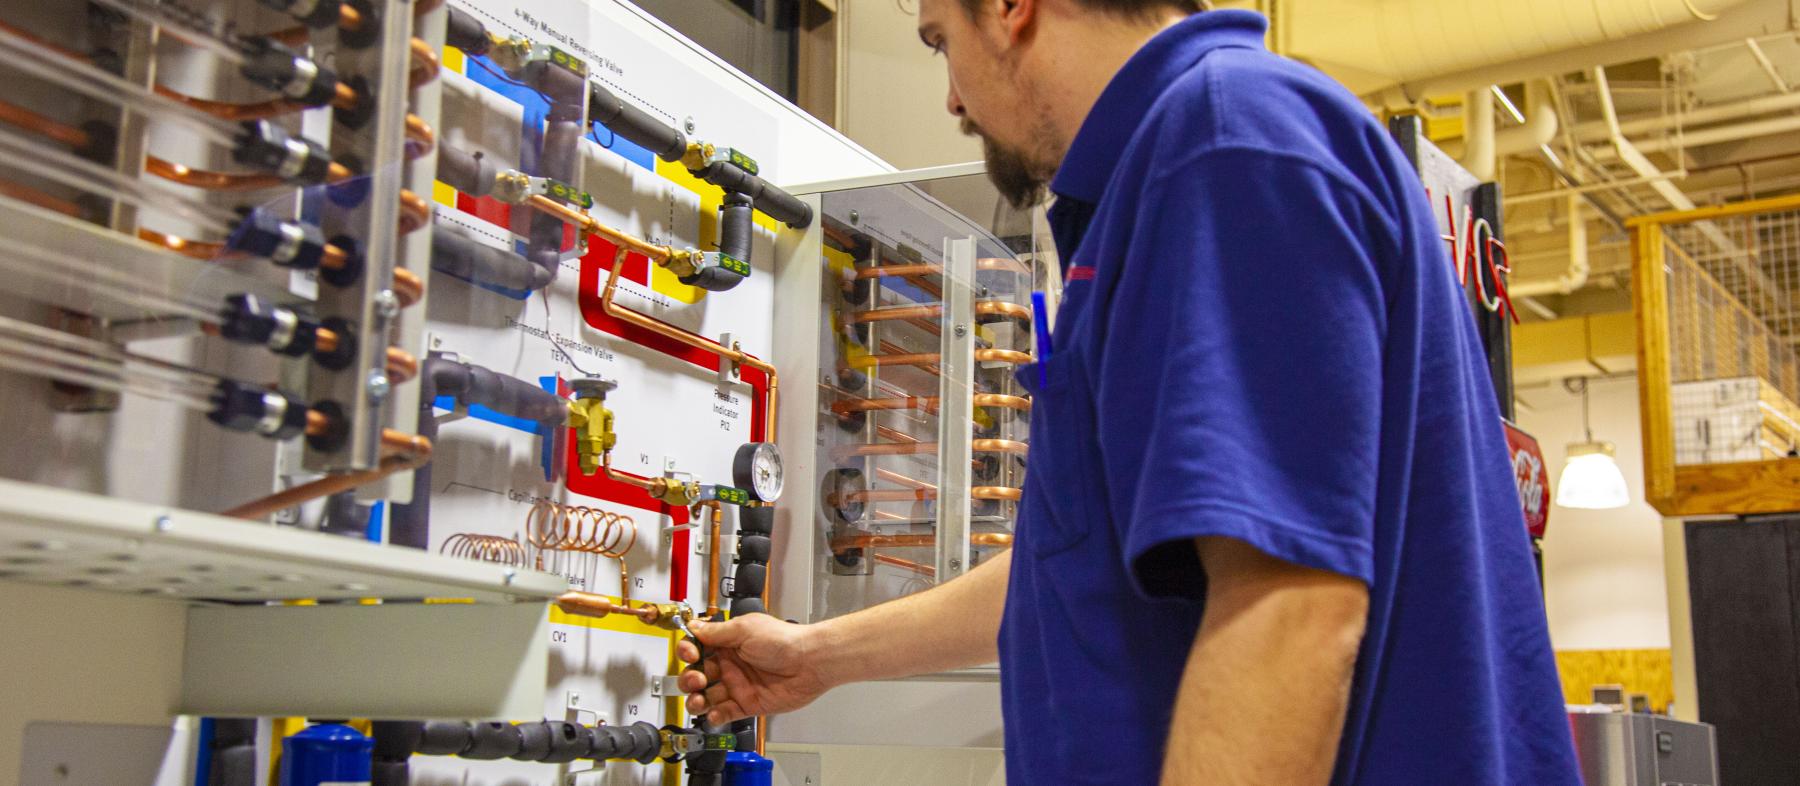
1528, 473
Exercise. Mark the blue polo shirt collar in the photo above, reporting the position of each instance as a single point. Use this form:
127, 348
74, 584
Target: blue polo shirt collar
1127, 99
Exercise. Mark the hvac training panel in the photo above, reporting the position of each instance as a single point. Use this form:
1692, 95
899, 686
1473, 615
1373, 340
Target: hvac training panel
921, 427
265, 262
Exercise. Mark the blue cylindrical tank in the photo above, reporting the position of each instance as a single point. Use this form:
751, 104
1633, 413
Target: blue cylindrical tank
326, 753
748, 769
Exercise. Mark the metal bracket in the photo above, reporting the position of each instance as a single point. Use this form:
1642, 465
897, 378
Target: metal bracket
728, 371
663, 686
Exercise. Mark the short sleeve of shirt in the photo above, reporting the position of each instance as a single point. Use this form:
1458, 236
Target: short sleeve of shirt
1238, 380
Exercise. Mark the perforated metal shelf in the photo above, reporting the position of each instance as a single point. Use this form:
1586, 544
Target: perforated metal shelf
68, 538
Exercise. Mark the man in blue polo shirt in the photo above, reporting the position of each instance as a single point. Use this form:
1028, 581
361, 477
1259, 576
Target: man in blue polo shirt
1270, 533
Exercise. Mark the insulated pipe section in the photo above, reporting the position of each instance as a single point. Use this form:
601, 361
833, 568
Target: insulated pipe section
670, 144
779, 204
666, 142
755, 525
469, 173
469, 385
736, 228
549, 742
457, 254
465, 32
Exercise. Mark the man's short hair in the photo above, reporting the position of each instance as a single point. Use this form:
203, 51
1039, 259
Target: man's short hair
1126, 7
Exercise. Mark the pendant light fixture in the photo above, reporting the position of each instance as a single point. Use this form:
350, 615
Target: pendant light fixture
1590, 476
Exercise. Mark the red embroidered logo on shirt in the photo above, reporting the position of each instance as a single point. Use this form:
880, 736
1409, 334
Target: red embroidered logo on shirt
1081, 273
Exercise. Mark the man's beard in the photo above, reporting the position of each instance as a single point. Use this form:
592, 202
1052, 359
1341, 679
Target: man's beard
1011, 171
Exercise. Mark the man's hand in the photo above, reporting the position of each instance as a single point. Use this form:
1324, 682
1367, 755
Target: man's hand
1266, 686
758, 665
755, 665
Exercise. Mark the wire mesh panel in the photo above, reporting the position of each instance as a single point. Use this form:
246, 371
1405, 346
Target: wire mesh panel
1734, 372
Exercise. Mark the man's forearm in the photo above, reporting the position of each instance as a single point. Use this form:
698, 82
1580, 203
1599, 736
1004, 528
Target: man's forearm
953, 625
1264, 692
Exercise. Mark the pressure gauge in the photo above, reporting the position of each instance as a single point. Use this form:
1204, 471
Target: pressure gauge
758, 468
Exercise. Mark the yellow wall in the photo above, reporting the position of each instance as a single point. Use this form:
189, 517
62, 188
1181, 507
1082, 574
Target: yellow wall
1640, 671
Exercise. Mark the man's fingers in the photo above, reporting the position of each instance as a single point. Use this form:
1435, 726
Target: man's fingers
726, 713
717, 695
696, 704
720, 634
692, 682
687, 652
713, 671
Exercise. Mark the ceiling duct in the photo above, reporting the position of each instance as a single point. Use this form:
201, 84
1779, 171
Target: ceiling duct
1408, 49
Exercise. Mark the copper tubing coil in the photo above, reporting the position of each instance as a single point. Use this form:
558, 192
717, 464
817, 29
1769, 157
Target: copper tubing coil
932, 358
551, 526
212, 181
926, 403
906, 564
486, 548
847, 542
936, 310
917, 448
414, 452
41, 199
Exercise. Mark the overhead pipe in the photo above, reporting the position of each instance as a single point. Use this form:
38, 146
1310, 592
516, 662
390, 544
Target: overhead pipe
1428, 47
1478, 135
1576, 276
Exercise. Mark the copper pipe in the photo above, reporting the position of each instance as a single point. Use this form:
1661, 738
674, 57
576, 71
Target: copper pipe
317, 423
408, 287
894, 435
933, 358
712, 568
325, 340
401, 365
927, 404
999, 446
214, 181
885, 271
847, 542
917, 448
916, 567
188, 248
922, 495
420, 134
415, 452
415, 212
654, 486
1004, 493
42, 125
895, 477
588, 604
424, 64
226, 110
772, 406
982, 308
44, 43
41, 199
586, 224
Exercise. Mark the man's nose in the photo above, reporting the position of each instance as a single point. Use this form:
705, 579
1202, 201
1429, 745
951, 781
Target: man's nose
953, 102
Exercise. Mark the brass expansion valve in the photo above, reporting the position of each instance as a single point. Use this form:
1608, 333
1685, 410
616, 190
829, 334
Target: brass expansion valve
592, 421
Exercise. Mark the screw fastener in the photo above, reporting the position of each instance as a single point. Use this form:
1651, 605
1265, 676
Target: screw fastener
387, 305
379, 386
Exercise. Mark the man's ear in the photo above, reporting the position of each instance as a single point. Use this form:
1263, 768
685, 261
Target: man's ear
1017, 18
